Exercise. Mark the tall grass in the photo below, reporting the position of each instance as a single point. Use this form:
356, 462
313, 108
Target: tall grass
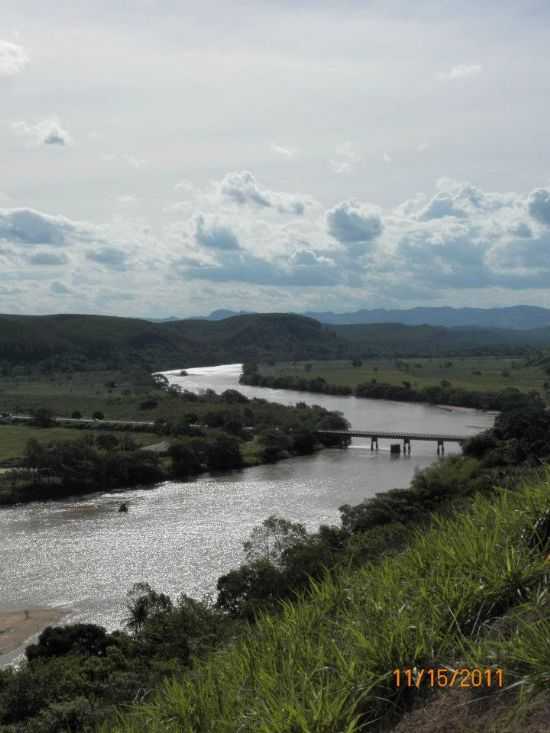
325, 664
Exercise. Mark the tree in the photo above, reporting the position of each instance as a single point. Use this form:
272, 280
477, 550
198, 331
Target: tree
274, 443
107, 441
185, 461
272, 538
142, 604
43, 418
57, 641
98, 415
223, 452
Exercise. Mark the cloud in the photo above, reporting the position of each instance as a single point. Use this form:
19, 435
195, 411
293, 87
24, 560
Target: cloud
442, 204
458, 199
303, 268
131, 160
112, 258
354, 225
127, 199
57, 288
48, 259
241, 188
458, 238
461, 71
538, 204
184, 186
13, 58
46, 132
346, 158
214, 236
283, 151
521, 229
27, 226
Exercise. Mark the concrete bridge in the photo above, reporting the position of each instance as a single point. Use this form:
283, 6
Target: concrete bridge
375, 435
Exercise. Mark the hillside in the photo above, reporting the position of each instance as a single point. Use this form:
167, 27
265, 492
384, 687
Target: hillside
470, 593
72, 341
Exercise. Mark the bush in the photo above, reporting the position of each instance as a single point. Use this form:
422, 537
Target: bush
43, 418
58, 641
185, 461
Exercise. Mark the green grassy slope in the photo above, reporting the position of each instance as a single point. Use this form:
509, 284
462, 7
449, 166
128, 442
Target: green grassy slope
471, 373
73, 340
325, 665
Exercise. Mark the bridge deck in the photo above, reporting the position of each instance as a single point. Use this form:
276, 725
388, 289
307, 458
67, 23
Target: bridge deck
396, 435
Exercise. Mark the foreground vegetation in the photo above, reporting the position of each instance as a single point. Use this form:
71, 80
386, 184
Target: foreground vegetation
305, 634
325, 664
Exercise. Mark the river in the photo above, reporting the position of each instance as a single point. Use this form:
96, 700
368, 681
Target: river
83, 555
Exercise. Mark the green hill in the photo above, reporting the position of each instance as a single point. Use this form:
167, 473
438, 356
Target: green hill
469, 593
72, 341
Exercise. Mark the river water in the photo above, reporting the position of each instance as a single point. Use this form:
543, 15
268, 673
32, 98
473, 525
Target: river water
83, 555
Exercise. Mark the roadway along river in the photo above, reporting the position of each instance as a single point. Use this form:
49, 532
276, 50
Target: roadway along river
83, 555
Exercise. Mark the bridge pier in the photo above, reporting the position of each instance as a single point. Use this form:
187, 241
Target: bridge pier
440, 448
374, 443
406, 446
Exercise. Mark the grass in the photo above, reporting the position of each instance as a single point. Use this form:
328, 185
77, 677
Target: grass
252, 451
325, 664
115, 393
472, 373
14, 438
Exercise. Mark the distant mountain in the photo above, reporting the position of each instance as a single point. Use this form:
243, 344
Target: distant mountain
523, 317
223, 313
520, 317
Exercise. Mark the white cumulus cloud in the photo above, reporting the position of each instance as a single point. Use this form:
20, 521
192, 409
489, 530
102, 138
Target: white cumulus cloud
46, 132
241, 188
460, 71
13, 58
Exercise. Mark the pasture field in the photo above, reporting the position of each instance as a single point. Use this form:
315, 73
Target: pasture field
14, 438
483, 374
115, 393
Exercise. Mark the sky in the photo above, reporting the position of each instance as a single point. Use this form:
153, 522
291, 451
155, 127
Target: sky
163, 158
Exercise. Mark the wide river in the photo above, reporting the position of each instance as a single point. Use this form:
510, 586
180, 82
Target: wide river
83, 555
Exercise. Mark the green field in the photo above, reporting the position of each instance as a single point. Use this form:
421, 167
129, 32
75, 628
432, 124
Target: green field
14, 438
115, 393
490, 374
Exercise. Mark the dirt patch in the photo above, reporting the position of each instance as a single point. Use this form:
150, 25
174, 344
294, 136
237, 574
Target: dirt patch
458, 711
17, 626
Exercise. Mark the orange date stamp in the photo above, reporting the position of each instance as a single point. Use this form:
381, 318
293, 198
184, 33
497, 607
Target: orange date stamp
462, 678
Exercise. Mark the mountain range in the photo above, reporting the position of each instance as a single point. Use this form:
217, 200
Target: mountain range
521, 317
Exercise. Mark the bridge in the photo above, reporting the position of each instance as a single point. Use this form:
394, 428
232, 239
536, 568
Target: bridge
375, 435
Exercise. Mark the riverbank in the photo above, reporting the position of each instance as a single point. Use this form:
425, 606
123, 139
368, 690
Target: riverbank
444, 393
18, 626
63, 469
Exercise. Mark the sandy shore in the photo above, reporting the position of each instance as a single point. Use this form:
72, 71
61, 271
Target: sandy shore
18, 626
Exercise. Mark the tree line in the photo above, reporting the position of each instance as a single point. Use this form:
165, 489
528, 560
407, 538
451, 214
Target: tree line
442, 394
